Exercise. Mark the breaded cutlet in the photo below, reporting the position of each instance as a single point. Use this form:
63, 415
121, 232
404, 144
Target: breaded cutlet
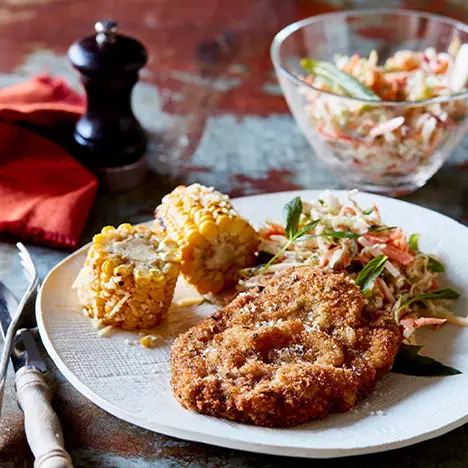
297, 348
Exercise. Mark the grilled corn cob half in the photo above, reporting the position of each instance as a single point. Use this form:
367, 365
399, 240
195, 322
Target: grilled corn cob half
129, 277
215, 241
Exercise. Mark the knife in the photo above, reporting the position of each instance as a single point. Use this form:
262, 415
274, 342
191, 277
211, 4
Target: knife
33, 394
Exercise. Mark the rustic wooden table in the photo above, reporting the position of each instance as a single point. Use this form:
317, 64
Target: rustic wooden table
215, 114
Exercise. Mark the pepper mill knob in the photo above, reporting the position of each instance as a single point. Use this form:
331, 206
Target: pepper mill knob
106, 31
109, 139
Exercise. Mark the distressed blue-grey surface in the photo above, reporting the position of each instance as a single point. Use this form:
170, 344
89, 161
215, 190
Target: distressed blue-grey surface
216, 119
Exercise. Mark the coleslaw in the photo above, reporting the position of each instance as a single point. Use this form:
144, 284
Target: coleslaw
385, 140
343, 237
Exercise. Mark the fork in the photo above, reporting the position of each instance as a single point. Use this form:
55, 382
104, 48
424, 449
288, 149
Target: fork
31, 273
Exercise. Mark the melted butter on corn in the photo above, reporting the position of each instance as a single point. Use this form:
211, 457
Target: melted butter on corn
136, 249
129, 277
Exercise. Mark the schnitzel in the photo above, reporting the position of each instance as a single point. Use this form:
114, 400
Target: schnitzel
296, 348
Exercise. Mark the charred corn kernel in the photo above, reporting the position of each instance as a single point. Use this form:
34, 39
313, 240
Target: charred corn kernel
208, 230
123, 270
128, 278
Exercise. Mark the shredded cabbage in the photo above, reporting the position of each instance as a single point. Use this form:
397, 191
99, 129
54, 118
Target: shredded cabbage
345, 239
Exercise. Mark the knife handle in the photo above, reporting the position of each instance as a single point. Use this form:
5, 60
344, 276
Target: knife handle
41, 424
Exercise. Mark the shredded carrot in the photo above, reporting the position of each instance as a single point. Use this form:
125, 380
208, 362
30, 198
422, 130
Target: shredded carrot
398, 255
376, 239
352, 62
398, 239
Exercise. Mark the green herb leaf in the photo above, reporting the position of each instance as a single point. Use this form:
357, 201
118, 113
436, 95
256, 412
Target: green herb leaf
381, 228
352, 86
434, 265
396, 310
339, 235
207, 301
321, 202
368, 211
414, 241
292, 212
434, 295
278, 255
408, 361
371, 272
306, 229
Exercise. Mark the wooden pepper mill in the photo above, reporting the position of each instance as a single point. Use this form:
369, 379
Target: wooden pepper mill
110, 140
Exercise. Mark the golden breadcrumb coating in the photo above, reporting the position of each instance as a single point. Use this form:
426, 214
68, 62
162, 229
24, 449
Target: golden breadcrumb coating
296, 348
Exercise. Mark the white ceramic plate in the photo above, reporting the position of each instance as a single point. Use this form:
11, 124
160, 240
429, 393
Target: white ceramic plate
132, 382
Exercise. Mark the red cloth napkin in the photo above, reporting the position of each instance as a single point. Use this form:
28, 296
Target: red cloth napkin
45, 195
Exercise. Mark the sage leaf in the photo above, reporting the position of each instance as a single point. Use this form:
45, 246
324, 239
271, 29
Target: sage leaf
337, 235
371, 272
352, 86
434, 265
408, 361
292, 212
381, 228
306, 229
447, 293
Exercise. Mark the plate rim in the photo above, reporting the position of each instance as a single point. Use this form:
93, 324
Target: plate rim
221, 441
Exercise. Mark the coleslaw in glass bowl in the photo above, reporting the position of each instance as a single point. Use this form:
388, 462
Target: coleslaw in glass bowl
381, 94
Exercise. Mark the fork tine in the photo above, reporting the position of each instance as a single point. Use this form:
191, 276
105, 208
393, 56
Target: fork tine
28, 264
31, 271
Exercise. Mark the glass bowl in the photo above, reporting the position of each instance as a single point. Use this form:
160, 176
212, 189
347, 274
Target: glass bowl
385, 161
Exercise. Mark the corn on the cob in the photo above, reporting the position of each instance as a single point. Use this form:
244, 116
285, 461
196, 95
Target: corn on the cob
129, 277
215, 241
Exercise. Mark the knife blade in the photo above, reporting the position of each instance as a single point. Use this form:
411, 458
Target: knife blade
25, 351
33, 394
8, 302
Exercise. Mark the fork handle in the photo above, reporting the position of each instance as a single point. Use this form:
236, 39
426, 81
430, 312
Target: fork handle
41, 424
